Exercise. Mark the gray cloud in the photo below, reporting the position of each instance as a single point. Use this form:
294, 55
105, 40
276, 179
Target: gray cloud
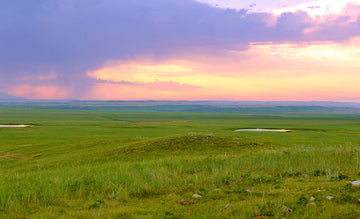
72, 37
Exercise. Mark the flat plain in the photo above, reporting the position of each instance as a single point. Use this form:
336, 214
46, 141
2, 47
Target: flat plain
118, 164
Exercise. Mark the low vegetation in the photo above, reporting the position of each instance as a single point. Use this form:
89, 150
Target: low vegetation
95, 164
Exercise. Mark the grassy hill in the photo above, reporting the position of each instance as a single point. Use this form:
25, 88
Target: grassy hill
108, 164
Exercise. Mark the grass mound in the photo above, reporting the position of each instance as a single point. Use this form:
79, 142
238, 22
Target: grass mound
189, 142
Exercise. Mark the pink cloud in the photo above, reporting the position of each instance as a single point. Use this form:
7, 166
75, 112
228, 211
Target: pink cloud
161, 30
158, 85
156, 90
39, 92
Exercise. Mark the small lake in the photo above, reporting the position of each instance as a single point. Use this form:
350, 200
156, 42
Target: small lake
263, 130
14, 126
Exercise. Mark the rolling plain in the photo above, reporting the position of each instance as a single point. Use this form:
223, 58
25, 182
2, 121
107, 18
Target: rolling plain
75, 163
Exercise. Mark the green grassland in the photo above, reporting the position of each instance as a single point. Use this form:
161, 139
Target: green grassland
117, 164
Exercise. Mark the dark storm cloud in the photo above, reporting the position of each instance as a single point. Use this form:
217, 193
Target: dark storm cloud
72, 37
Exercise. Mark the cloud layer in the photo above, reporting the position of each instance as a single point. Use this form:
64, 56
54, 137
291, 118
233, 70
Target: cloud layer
56, 43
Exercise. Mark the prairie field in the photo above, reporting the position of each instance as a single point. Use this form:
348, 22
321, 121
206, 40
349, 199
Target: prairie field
118, 164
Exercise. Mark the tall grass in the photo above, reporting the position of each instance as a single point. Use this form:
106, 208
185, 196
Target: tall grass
122, 181
84, 164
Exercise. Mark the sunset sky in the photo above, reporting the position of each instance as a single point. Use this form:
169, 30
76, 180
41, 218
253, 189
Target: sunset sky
181, 49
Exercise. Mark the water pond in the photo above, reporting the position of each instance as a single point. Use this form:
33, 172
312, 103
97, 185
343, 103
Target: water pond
14, 126
263, 130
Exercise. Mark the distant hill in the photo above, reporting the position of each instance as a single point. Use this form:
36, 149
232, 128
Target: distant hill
243, 107
4, 96
215, 103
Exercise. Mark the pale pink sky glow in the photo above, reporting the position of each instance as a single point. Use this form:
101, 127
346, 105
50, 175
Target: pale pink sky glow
262, 50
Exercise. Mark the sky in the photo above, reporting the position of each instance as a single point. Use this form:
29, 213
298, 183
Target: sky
281, 50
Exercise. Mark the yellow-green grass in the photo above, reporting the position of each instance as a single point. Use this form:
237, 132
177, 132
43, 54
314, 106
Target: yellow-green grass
94, 164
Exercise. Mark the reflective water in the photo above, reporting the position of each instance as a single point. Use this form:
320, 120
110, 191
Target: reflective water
263, 130
14, 126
